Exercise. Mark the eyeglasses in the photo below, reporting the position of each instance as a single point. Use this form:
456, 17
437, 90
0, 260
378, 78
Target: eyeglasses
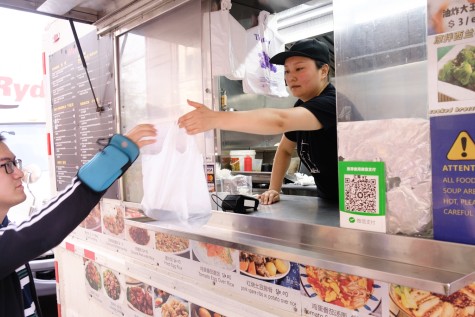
10, 166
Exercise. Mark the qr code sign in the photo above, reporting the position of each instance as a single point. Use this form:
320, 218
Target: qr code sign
361, 193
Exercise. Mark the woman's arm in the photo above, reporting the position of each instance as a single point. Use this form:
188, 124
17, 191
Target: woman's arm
264, 121
282, 159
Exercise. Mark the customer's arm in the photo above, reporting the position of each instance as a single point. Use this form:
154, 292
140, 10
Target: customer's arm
47, 227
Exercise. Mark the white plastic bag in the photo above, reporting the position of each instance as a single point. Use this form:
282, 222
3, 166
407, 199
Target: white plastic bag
174, 181
228, 49
263, 42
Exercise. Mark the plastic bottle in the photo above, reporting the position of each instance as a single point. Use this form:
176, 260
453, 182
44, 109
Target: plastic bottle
247, 164
224, 100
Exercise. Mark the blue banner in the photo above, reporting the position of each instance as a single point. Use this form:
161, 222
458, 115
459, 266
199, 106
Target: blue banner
453, 177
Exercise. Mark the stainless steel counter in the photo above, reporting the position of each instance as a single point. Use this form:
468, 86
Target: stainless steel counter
303, 209
305, 230
293, 189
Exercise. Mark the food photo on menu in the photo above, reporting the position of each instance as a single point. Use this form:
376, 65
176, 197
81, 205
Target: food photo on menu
174, 307
200, 311
93, 220
277, 271
140, 236
411, 302
112, 284
134, 212
113, 221
456, 71
215, 255
139, 297
345, 290
159, 297
172, 244
93, 274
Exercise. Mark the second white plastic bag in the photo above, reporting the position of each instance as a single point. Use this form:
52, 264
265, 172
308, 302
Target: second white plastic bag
263, 42
174, 181
228, 49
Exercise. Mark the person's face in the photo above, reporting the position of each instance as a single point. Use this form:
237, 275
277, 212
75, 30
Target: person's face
11, 188
303, 78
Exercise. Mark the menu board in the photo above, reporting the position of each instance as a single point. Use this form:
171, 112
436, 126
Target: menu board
77, 124
296, 288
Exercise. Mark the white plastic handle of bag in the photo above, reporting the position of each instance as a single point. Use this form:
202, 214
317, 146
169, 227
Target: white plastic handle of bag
226, 5
172, 137
263, 18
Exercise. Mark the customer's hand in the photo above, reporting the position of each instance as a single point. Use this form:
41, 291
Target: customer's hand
141, 131
269, 197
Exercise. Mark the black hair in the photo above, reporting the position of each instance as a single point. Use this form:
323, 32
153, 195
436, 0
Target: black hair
215, 5
320, 65
2, 138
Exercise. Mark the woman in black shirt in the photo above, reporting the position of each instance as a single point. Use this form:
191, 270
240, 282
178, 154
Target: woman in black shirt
310, 125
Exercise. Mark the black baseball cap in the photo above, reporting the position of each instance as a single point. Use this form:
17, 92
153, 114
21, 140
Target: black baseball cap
310, 48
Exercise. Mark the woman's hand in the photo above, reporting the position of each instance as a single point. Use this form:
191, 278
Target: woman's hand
141, 131
199, 120
269, 197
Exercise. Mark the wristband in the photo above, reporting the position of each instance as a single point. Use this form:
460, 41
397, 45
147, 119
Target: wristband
109, 164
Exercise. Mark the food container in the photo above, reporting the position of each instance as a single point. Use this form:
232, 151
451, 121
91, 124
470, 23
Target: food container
237, 159
256, 165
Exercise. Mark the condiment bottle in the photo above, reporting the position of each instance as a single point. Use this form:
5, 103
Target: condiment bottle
247, 164
224, 100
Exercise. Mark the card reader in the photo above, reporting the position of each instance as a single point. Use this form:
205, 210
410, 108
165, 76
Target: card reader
240, 204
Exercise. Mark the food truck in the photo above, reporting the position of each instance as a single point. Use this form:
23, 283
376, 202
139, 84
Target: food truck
405, 143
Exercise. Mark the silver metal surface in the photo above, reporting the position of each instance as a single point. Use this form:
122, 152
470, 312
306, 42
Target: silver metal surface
59, 7
85, 12
293, 189
45, 262
134, 14
304, 230
382, 75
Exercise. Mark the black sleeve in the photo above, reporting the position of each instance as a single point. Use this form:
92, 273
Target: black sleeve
46, 228
323, 107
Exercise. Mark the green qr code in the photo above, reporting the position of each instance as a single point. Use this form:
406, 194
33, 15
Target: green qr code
361, 193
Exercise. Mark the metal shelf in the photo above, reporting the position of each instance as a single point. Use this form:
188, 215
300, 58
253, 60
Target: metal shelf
436, 266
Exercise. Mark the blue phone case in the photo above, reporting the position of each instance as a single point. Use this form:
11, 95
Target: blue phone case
109, 164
